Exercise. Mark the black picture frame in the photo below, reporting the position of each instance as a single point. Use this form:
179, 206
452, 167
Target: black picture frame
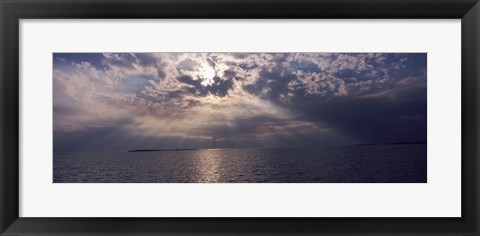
11, 11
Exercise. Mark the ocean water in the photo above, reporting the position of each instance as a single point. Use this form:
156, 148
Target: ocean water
351, 164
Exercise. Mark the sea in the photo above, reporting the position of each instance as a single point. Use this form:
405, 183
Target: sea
405, 163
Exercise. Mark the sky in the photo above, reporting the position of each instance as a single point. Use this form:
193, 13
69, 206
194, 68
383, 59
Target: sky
124, 101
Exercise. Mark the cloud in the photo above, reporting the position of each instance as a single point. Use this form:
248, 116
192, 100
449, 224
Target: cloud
237, 99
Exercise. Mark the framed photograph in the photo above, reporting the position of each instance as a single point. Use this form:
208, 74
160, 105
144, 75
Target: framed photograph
239, 117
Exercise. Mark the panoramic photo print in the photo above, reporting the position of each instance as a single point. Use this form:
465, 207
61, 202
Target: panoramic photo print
239, 117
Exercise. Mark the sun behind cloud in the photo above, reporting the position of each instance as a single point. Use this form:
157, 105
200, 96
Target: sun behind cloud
236, 99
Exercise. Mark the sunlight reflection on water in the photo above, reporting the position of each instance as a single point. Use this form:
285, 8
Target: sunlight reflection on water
354, 164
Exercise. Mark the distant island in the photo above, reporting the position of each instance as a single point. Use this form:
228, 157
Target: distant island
396, 143
161, 150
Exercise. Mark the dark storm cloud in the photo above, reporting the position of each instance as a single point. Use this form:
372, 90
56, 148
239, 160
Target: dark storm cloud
146, 59
275, 82
374, 119
229, 74
187, 64
211, 63
218, 88
272, 83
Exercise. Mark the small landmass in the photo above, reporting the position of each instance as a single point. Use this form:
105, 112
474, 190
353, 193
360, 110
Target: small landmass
395, 143
161, 150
